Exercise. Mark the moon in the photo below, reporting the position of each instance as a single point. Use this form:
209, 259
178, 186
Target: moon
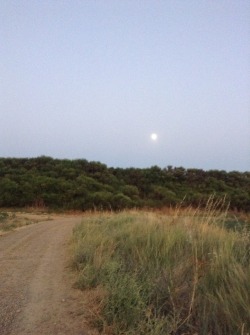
154, 136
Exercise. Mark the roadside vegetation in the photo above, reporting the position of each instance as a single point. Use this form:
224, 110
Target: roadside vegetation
181, 271
10, 220
63, 184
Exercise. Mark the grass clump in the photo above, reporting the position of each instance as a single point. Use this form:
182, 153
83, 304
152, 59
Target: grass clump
6, 221
157, 274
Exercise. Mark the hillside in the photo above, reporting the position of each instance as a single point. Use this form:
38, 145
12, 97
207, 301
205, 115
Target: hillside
82, 185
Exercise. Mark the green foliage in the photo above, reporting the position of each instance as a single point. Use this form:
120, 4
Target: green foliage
82, 185
179, 274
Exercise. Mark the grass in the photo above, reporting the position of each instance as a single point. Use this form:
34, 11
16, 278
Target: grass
154, 274
10, 220
7, 221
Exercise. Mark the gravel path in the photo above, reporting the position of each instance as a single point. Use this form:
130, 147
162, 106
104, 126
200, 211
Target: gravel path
36, 294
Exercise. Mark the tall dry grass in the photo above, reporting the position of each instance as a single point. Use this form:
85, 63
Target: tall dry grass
155, 274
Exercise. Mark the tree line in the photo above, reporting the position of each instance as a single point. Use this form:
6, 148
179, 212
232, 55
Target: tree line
82, 185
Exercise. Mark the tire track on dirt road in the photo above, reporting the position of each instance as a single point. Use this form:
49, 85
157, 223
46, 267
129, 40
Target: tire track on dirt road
36, 294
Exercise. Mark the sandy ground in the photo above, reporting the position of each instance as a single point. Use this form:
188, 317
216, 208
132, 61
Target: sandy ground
36, 283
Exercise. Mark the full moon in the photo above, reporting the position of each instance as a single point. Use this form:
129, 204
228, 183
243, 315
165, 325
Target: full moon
154, 136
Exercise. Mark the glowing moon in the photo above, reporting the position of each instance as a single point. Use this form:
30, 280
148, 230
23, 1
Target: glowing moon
154, 137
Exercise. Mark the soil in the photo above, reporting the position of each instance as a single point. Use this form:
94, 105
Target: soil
36, 282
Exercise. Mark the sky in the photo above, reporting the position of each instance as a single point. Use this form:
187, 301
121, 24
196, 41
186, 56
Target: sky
93, 79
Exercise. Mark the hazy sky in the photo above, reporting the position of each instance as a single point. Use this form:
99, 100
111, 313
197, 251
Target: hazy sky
94, 78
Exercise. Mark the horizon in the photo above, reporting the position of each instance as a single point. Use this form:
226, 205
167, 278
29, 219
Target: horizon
127, 167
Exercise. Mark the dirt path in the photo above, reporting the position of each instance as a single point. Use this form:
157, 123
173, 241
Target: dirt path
36, 294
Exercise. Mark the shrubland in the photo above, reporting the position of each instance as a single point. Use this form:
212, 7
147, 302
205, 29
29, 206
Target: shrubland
45, 182
165, 273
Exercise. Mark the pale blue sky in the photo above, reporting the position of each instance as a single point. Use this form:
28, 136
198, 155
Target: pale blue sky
93, 79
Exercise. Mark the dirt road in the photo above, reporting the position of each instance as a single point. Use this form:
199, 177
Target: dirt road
36, 294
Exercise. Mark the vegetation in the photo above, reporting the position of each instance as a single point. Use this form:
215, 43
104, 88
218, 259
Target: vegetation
3, 221
159, 274
82, 185
10, 220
